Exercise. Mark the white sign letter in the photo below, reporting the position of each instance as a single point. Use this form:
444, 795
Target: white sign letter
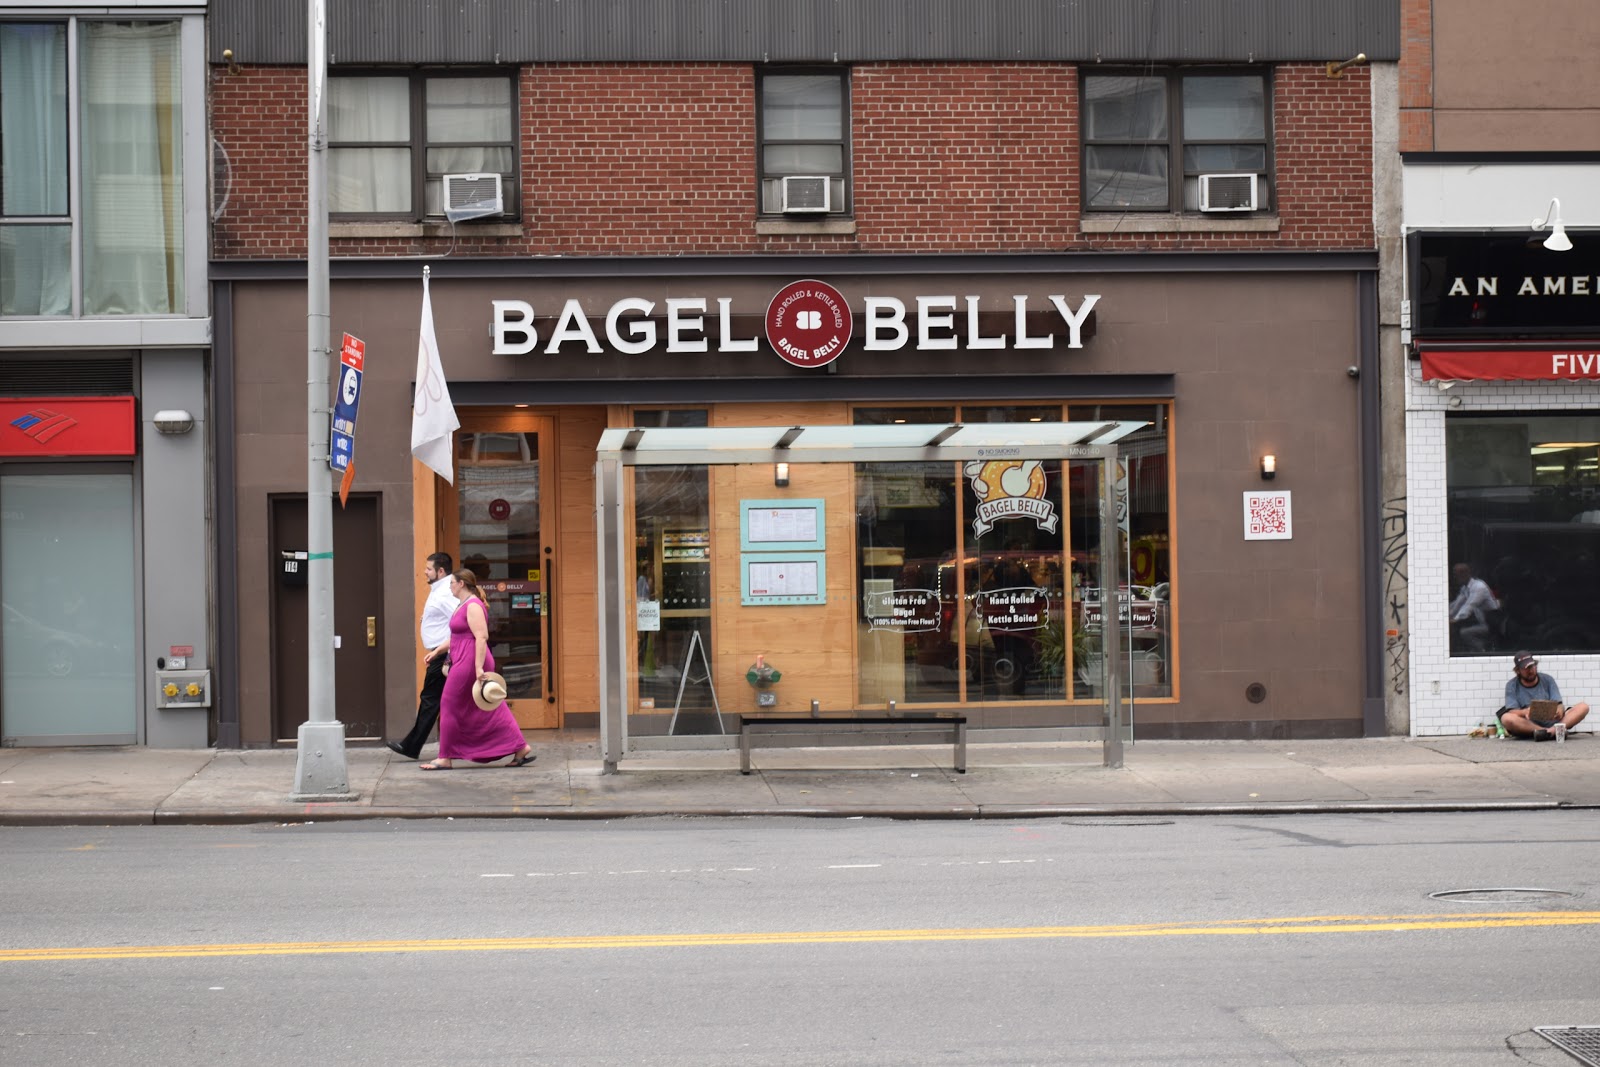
726, 343
1023, 340
643, 332
676, 342
885, 313
572, 326
1075, 322
974, 339
927, 321
504, 324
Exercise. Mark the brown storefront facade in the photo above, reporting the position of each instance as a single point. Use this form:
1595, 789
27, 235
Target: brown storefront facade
927, 584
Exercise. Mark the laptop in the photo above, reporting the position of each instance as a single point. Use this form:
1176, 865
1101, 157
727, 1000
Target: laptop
1544, 710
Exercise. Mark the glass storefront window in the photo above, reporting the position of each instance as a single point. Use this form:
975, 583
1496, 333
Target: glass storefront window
672, 590
1144, 563
1524, 532
979, 582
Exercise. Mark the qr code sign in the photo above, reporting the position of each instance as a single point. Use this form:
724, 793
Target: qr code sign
1267, 517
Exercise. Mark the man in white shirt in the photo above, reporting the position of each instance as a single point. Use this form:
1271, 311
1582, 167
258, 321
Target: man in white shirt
435, 634
1469, 611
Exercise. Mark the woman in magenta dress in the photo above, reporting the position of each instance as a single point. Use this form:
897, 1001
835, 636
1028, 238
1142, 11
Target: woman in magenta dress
466, 731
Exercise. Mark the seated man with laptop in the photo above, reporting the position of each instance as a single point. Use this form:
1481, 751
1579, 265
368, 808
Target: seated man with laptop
1533, 705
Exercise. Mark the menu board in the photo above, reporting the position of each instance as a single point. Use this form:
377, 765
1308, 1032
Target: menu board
783, 577
782, 525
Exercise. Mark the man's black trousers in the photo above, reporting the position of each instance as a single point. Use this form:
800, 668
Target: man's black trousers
427, 708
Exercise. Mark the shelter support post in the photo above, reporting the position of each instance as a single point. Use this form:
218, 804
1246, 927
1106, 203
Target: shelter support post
1110, 607
613, 563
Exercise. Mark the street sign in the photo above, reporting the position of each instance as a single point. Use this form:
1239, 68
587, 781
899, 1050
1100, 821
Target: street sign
342, 447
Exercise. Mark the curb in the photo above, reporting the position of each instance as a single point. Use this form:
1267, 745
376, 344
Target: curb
333, 811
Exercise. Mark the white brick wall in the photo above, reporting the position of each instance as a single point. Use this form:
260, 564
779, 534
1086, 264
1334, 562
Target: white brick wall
1452, 696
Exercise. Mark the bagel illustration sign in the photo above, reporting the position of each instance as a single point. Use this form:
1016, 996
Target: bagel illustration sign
808, 323
1009, 489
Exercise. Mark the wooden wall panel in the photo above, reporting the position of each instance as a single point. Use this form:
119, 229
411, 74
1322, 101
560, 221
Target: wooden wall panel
425, 531
577, 624
812, 645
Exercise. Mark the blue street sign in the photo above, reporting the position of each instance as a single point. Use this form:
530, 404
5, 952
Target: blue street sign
342, 446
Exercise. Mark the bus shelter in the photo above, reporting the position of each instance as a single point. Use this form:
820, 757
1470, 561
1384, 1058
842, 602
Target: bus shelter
784, 549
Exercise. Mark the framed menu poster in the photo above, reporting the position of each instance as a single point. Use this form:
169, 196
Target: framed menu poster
783, 577
782, 526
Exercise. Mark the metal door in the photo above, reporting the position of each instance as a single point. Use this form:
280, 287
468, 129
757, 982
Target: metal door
357, 608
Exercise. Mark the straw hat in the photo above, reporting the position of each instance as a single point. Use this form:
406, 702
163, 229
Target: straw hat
489, 692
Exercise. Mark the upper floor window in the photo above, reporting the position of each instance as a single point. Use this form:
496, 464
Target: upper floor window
118, 249
1148, 138
392, 138
804, 154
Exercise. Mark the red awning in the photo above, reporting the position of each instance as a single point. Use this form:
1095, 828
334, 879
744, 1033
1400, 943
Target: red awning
1574, 361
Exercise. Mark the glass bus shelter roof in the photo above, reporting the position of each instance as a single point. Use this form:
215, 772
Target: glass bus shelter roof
855, 444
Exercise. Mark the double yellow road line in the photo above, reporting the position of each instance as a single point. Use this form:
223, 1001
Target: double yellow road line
1311, 924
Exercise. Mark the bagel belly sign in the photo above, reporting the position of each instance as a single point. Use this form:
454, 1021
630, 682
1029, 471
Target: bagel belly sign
809, 323
1009, 489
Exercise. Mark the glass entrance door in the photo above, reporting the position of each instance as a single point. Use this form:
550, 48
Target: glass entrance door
501, 536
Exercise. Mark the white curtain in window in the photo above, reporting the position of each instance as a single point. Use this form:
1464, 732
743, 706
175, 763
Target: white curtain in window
33, 117
132, 122
371, 112
35, 261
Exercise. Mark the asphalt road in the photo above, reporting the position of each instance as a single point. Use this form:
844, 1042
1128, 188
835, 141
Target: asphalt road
1306, 940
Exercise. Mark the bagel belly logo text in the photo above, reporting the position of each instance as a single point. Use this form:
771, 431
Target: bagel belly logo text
809, 323
1010, 489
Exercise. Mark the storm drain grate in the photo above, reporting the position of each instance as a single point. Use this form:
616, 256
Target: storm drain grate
1583, 1042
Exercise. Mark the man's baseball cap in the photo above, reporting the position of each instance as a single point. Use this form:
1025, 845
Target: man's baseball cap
1524, 659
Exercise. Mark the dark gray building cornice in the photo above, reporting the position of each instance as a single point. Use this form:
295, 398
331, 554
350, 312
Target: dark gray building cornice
810, 31
247, 270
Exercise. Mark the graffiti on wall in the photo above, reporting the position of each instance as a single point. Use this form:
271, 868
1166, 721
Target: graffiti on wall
1394, 593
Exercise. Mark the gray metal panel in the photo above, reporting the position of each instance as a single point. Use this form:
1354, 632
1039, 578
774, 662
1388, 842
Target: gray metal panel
176, 538
823, 31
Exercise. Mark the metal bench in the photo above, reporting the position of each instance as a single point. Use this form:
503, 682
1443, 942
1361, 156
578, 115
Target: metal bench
950, 723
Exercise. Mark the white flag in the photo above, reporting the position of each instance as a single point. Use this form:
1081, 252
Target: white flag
433, 417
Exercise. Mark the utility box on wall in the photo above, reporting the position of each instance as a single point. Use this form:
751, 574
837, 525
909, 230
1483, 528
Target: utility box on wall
183, 689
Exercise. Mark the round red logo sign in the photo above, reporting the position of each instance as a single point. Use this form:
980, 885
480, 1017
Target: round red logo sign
499, 510
808, 323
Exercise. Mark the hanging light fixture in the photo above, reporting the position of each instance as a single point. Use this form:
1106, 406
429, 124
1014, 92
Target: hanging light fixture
1558, 241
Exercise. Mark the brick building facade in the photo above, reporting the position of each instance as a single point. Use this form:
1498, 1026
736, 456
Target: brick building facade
976, 191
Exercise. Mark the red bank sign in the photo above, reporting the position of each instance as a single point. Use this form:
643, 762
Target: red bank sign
1570, 363
67, 426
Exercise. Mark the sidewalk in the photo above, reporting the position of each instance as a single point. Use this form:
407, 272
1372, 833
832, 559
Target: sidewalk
129, 786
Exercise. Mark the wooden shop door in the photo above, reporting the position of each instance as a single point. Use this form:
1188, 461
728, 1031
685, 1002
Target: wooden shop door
498, 520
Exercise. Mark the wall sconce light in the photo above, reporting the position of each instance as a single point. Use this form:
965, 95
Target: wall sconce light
1336, 70
1558, 241
173, 421
780, 475
233, 68
1269, 467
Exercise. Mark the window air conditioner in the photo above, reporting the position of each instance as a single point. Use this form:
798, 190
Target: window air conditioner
808, 194
1228, 192
472, 196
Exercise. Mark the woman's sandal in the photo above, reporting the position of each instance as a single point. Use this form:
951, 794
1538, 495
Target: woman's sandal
522, 759
436, 765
